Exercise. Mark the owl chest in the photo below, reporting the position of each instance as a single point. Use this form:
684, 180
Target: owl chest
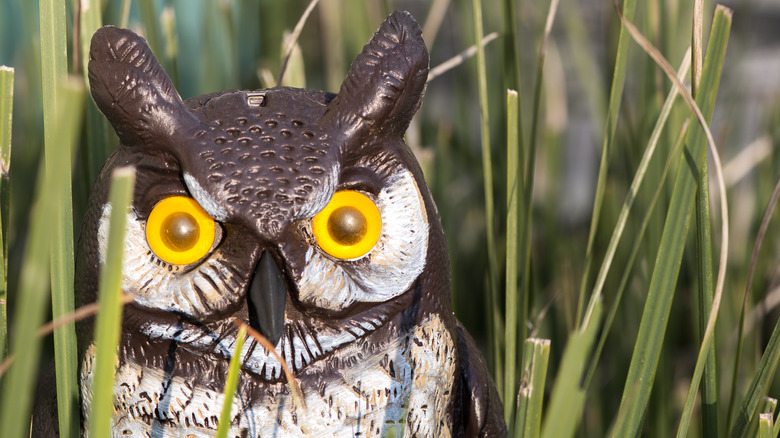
405, 387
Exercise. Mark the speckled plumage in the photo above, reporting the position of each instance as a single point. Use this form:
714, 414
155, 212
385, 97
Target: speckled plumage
371, 341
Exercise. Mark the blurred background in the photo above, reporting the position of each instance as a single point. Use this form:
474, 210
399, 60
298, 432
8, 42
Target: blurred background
211, 45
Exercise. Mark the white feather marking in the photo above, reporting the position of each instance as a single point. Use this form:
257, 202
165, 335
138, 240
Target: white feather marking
209, 204
312, 344
395, 262
161, 286
301, 354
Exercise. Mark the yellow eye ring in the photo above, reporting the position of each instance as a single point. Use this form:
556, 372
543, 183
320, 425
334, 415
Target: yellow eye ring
349, 226
179, 231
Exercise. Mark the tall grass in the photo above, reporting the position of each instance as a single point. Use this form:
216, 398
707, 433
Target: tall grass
493, 315
108, 326
592, 289
6, 117
54, 70
661, 291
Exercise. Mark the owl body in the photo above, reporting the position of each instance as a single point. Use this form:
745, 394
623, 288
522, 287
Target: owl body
300, 213
408, 381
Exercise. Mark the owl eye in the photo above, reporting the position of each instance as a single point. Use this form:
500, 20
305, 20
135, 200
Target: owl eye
179, 231
349, 226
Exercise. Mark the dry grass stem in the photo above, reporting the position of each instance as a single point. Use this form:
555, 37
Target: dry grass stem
293, 39
77, 315
459, 58
747, 159
548, 27
296, 390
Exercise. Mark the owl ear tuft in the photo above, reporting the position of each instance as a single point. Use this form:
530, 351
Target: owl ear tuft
132, 90
385, 83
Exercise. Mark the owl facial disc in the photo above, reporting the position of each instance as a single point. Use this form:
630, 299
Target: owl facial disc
262, 173
266, 297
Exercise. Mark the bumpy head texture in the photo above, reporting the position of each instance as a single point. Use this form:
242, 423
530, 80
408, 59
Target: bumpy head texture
320, 233
242, 147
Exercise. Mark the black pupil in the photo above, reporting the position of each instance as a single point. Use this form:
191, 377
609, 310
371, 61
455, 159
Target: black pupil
347, 225
180, 231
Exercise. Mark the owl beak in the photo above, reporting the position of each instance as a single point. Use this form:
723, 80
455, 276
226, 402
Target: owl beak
266, 299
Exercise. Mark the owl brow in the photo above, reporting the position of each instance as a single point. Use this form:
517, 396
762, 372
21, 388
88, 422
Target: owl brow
360, 178
155, 183
205, 199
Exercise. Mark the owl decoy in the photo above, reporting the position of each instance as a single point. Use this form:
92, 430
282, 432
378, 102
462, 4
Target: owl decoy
300, 212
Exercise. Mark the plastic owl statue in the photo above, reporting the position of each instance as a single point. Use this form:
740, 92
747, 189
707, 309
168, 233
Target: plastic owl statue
301, 213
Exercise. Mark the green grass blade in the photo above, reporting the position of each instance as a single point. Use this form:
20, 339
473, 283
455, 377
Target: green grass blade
512, 213
58, 167
54, 59
631, 258
567, 398
19, 382
770, 405
529, 161
100, 138
615, 97
109, 318
151, 19
697, 44
624, 212
511, 63
770, 409
231, 385
709, 387
59, 116
34, 282
511, 58
760, 235
775, 427
494, 313
710, 302
6, 118
531, 158
765, 425
652, 327
89, 21
35, 275
759, 384
536, 356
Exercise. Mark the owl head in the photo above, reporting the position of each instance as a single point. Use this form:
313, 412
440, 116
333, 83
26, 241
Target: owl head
300, 212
